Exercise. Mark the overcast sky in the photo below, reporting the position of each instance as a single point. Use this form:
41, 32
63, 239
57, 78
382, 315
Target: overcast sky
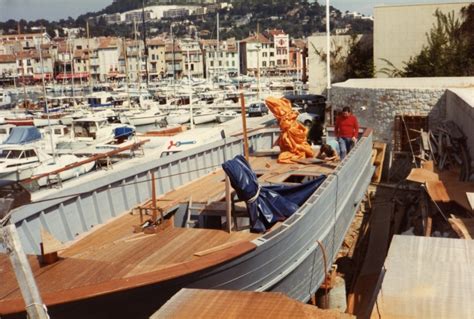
366, 6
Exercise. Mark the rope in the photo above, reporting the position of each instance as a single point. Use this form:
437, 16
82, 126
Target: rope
254, 198
325, 271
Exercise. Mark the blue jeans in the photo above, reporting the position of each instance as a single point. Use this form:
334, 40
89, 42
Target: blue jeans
345, 145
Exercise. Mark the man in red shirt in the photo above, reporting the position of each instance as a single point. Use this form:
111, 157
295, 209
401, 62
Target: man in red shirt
347, 130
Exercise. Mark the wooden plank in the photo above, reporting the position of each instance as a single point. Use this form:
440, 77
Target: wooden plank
361, 299
207, 303
437, 191
50, 243
421, 175
427, 277
428, 165
380, 149
470, 199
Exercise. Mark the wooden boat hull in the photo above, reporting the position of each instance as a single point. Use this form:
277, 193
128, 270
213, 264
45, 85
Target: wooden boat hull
287, 260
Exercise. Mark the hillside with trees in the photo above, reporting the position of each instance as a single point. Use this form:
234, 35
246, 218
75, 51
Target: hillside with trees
299, 18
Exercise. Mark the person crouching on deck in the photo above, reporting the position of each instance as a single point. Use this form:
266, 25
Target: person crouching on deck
346, 129
330, 151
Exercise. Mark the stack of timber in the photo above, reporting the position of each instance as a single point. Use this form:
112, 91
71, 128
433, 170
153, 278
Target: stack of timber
203, 303
446, 147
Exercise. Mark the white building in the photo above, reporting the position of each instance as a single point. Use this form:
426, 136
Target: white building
256, 53
400, 31
222, 59
192, 58
105, 61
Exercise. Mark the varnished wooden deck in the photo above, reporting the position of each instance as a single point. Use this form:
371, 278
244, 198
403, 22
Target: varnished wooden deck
111, 257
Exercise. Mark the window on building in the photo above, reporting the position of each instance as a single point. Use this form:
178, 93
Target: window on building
212, 63
272, 63
233, 63
264, 63
220, 63
272, 53
192, 67
264, 54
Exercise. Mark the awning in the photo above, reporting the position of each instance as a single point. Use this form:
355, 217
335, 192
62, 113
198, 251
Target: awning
266, 204
47, 76
69, 76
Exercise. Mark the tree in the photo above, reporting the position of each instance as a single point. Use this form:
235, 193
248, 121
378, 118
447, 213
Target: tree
360, 60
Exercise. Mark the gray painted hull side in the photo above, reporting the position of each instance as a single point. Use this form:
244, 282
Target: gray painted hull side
287, 260
290, 260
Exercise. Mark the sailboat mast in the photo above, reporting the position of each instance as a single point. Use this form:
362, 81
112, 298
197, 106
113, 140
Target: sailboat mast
218, 48
46, 100
144, 43
139, 62
125, 56
89, 57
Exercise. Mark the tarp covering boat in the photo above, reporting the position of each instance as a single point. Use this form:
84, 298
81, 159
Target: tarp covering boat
293, 142
266, 205
23, 135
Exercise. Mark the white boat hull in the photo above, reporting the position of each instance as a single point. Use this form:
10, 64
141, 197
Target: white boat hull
145, 120
44, 122
177, 119
201, 119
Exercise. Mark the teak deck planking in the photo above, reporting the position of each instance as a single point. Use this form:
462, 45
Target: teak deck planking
113, 252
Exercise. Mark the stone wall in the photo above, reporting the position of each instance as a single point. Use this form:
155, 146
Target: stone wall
377, 107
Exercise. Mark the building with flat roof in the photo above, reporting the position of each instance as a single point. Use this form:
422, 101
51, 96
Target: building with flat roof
400, 31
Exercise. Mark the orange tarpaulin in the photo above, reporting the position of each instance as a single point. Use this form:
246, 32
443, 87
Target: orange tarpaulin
292, 141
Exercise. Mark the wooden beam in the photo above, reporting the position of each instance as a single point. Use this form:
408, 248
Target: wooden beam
34, 305
228, 201
244, 126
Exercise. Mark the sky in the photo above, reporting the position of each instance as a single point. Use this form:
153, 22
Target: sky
61, 9
366, 6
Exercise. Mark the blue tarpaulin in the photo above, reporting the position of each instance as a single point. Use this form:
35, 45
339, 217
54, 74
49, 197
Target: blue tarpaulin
266, 204
23, 135
123, 132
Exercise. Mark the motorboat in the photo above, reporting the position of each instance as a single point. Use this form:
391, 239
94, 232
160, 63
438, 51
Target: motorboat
89, 131
178, 116
20, 162
204, 115
5, 131
225, 116
151, 116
